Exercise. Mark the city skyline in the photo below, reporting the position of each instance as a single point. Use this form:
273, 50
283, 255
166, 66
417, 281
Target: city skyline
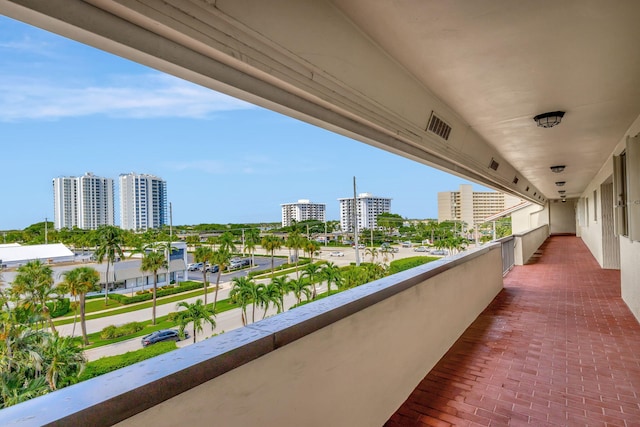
67, 109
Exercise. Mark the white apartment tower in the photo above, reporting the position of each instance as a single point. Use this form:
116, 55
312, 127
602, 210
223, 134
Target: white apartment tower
85, 202
368, 209
470, 206
303, 210
143, 201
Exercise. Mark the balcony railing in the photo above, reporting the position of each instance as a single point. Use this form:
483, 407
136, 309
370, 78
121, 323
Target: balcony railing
350, 359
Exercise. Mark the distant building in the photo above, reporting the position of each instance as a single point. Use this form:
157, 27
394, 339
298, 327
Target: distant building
303, 210
470, 206
15, 255
143, 202
368, 209
85, 202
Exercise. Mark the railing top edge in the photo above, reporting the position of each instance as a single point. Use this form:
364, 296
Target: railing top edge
524, 233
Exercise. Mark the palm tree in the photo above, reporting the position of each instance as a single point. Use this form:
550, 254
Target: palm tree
221, 259
311, 271
63, 361
110, 241
252, 238
295, 241
300, 287
34, 283
240, 294
152, 261
270, 244
272, 294
258, 298
311, 247
198, 313
373, 252
226, 242
332, 274
204, 254
282, 284
78, 282
386, 253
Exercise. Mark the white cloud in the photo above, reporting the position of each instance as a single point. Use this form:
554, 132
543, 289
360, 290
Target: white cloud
142, 96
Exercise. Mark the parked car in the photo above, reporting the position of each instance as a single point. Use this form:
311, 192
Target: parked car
162, 335
360, 246
439, 252
245, 262
212, 268
195, 266
406, 244
336, 253
421, 249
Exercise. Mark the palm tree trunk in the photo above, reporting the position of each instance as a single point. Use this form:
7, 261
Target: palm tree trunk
155, 286
215, 296
204, 282
194, 332
75, 317
83, 323
253, 312
106, 286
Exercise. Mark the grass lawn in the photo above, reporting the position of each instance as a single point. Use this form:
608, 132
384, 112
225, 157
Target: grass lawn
139, 306
162, 322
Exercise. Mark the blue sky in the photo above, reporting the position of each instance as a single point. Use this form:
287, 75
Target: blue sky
67, 109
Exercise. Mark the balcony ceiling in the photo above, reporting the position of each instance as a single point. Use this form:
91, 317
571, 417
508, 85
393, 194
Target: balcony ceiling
499, 63
380, 67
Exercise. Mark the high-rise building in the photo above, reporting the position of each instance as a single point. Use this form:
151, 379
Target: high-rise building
143, 201
303, 210
368, 209
85, 202
470, 206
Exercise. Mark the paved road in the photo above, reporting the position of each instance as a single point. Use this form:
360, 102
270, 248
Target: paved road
225, 321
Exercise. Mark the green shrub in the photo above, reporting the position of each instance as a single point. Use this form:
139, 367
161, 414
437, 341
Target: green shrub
59, 307
407, 263
111, 332
147, 295
111, 363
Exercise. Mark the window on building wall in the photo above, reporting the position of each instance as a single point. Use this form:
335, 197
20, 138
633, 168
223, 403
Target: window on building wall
586, 210
595, 205
620, 191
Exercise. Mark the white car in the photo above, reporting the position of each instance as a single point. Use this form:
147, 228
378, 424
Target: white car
336, 253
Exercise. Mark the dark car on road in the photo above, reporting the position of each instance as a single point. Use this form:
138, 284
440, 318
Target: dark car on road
163, 335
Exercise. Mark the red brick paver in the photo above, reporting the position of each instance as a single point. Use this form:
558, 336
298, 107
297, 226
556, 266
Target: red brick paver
557, 347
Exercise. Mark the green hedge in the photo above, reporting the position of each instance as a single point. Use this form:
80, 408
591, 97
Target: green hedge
111, 332
406, 263
59, 307
161, 292
111, 363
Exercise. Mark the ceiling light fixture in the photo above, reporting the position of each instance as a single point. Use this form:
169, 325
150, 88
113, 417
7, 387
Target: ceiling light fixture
560, 183
549, 120
557, 169
562, 192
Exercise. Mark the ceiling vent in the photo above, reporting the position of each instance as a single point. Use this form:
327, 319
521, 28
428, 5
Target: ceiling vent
515, 180
494, 165
527, 190
439, 127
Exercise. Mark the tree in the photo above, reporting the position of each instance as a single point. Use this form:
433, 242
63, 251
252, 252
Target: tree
311, 247
271, 244
240, 294
226, 242
372, 252
281, 283
258, 298
34, 283
389, 221
154, 260
300, 287
386, 252
110, 241
64, 361
311, 271
220, 258
251, 240
197, 313
78, 282
332, 274
296, 242
272, 294
204, 254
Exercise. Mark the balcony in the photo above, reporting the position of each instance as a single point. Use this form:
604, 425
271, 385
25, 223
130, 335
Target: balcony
557, 345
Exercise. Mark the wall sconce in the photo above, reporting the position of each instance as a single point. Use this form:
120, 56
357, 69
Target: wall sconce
560, 183
549, 120
557, 169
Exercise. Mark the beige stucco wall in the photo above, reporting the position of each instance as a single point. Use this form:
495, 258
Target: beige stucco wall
562, 217
355, 372
527, 243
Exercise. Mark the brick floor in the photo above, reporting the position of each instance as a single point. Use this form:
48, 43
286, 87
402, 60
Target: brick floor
557, 347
